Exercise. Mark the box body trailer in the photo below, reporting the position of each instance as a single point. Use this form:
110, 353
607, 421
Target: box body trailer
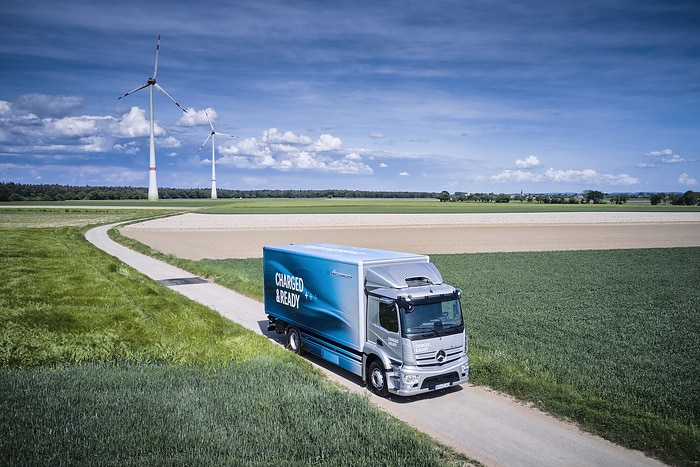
383, 315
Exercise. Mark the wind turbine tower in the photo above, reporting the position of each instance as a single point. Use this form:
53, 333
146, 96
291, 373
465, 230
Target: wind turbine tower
151, 83
213, 161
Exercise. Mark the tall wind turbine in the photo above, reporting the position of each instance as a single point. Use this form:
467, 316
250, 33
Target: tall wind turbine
151, 83
213, 165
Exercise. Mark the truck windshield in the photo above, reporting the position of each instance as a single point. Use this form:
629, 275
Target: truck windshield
426, 320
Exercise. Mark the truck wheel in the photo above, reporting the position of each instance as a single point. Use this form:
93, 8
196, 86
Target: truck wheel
294, 340
377, 379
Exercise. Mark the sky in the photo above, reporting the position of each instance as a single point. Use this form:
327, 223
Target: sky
466, 96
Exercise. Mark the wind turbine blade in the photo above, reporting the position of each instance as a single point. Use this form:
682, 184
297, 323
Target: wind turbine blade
157, 86
209, 120
225, 134
155, 67
205, 142
134, 90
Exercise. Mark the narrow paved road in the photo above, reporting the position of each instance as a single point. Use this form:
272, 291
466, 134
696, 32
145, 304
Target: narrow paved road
487, 426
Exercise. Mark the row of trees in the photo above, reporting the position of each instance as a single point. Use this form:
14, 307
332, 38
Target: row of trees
689, 198
27, 192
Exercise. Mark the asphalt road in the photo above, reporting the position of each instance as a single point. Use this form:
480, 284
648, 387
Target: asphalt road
487, 426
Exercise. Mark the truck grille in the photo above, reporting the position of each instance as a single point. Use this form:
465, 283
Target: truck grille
432, 358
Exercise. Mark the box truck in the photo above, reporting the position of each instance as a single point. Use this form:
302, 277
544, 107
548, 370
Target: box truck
385, 316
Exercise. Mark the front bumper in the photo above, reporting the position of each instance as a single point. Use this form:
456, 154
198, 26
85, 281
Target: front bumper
411, 380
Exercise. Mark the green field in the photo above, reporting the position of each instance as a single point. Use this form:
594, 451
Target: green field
356, 205
100, 365
610, 339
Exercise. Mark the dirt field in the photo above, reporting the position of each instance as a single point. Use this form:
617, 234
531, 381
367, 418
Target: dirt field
196, 236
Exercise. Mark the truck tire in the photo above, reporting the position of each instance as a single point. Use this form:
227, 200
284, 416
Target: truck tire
377, 379
294, 340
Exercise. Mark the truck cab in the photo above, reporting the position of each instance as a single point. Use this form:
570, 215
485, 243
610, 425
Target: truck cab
415, 331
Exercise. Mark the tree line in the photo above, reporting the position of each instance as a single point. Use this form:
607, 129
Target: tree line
689, 198
46, 192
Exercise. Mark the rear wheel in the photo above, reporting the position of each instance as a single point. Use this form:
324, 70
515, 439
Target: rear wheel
377, 379
294, 340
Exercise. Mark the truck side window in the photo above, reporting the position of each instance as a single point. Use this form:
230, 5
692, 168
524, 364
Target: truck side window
388, 318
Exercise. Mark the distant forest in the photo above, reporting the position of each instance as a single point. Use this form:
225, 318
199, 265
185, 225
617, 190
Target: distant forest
28, 192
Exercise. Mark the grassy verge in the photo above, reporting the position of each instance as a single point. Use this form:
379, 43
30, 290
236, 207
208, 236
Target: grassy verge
99, 365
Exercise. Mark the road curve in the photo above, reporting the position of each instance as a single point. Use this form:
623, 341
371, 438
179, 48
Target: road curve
487, 426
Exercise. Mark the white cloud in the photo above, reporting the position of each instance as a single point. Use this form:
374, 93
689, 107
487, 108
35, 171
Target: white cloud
48, 106
665, 152
77, 126
564, 176
128, 148
529, 161
404, 174
328, 142
686, 179
383, 165
273, 136
516, 176
5, 107
590, 176
667, 156
376, 134
290, 152
674, 159
95, 144
169, 142
134, 124
197, 117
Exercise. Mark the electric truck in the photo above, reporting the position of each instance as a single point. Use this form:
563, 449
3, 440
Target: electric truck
383, 315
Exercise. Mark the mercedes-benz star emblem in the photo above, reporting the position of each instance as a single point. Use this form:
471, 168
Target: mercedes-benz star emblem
440, 356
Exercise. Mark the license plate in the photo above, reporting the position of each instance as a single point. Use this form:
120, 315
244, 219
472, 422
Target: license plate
442, 386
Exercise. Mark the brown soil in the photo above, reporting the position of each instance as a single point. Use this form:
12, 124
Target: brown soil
195, 237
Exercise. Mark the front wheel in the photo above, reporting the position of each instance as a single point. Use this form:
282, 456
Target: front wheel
294, 340
377, 379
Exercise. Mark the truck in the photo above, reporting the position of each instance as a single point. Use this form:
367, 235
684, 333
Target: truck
383, 315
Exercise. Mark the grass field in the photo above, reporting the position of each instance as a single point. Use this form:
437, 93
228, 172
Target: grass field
358, 205
100, 365
609, 339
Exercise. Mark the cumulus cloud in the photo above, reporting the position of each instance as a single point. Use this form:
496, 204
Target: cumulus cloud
404, 174
564, 176
169, 142
516, 176
127, 148
47, 106
287, 151
197, 117
529, 161
77, 126
134, 124
687, 180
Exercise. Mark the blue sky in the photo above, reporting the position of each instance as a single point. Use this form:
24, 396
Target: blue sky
473, 96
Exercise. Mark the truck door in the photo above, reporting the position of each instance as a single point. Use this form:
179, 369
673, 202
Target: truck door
383, 321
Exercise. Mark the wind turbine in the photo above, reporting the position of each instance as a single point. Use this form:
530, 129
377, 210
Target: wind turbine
151, 83
213, 165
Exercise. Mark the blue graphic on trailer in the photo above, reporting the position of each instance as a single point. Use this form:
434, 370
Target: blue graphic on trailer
313, 293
